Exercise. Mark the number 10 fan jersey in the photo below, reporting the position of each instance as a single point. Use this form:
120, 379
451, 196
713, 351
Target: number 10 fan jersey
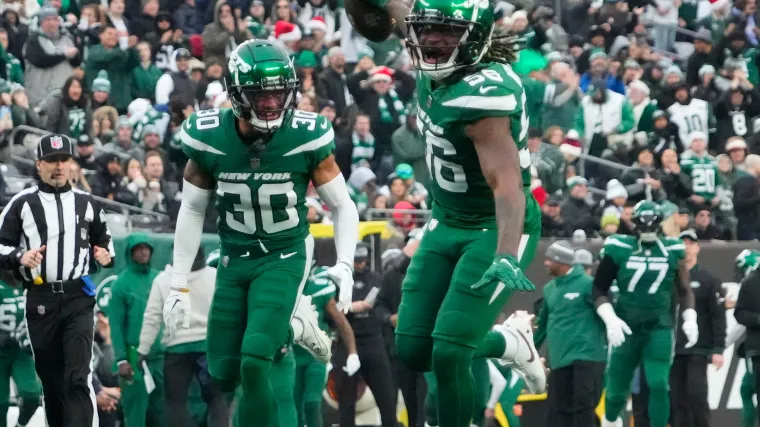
260, 187
695, 116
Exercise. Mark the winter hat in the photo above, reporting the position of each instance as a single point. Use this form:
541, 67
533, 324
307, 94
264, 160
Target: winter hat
123, 122
381, 74
561, 252
575, 180
317, 23
571, 145
520, 14
674, 69
717, 5
704, 35
615, 189
367, 51
697, 135
609, 219
706, 69
639, 85
286, 31
149, 130
213, 89
46, 12
553, 56
632, 64
736, 143
596, 55
360, 177
306, 59
101, 82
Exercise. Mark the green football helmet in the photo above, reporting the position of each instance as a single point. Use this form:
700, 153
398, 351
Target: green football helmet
445, 36
747, 262
647, 217
262, 84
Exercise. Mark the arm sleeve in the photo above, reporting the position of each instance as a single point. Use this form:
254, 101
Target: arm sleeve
190, 221
628, 120
717, 312
498, 384
10, 233
345, 217
605, 275
153, 318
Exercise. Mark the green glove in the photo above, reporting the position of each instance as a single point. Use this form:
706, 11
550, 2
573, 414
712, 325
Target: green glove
505, 270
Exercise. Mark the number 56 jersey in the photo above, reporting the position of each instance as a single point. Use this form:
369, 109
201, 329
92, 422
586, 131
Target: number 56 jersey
646, 278
260, 186
461, 196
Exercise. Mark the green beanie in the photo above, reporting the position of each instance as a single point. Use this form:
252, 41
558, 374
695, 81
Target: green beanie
306, 59
101, 82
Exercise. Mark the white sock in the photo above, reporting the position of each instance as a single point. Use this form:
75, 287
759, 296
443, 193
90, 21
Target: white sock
512, 344
297, 329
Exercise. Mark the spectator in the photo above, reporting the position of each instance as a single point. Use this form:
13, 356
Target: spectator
599, 70
144, 23
222, 36
122, 145
18, 32
615, 199
188, 18
91, 21
417, 192
561, 97
108, 182
384, 103
734, 112
602, 114
115, 18
331, 82
704, 227
146, 74
86, 155
282, 10
361, 186
663, 136
13, 68
707, 88
117, 62
675, 183
305, 62
736, 148
728, 176
690, 114
166, 40
575, 209
48, 68
703, 171
176, 84
642, 178
77, 178
154, 170
410, 147
101, 90
747, 201
104, 121
643, 106
702, 55
255, 21
716, 21
363, 143
552, 224
129, 297
69, 111
213, 76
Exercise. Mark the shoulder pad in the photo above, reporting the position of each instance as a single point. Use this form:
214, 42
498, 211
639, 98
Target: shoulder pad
620, 240
313, 132
195, 139
495, 88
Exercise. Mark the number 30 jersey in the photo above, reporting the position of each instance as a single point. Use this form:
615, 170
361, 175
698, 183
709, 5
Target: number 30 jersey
260, 187
461, 195
645, 278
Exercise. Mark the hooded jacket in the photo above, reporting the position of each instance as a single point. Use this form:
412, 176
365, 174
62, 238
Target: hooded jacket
217, 41
129, 298
103, 183
47, 68
119, 64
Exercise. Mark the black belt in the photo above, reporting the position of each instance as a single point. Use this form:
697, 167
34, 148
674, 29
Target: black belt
57, 287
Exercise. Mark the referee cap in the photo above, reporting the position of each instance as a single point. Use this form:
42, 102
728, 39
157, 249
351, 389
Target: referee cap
55, 146
561, 252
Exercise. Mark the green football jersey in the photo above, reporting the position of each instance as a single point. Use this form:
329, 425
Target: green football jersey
703, 172
461, 196
260, 187
645, 278
151, 117
322, 290
11, 308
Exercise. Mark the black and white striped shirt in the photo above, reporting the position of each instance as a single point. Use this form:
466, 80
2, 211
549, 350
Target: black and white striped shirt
68, 221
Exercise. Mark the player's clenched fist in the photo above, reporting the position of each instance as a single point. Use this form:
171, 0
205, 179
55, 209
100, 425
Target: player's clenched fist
101, 255
504, 272
32, 258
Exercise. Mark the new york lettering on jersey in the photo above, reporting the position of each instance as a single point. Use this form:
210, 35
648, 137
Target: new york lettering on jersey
460, 192
260, 186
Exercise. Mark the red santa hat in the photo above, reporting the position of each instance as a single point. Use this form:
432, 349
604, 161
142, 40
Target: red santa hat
317, 23
719, 4
285, 31
381, 74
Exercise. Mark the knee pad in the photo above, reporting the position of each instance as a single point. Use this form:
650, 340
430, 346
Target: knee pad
224, 372
658, 383
415, 352
448, 357
254, 371
260, 345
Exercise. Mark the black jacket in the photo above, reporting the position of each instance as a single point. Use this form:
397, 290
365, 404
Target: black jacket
577, 214
390, 297
711, 315
330, 84
747, 201
747, 312
367, 323
104, 184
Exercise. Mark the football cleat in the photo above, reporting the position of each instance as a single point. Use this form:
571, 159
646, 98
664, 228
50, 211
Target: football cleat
524, 358
313, 339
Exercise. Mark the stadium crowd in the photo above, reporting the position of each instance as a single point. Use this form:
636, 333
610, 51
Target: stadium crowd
626, 101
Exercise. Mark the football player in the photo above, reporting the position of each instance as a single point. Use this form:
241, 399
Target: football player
259, 157
485, 222
640, 324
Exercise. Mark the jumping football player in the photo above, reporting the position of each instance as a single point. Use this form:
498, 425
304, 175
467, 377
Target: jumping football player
485, 222
647, 268
259, 158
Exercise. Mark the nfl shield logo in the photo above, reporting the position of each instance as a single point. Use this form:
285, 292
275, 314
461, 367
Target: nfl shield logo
225, 260
40, 310
56, 142
255, 162
83, 232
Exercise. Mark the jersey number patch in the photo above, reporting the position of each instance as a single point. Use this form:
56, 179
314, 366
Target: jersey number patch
640, 267
242, 218
704, 180
8, 311
448, 175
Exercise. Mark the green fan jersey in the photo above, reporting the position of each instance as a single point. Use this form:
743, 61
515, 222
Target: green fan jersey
461, 195
703, 171
322, 290
261, 186
12, 308
646, 278
151, 117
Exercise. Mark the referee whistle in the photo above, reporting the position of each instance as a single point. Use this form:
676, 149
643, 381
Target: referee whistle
38, 280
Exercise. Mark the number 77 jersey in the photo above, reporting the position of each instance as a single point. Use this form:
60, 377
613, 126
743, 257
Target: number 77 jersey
461, 196
260, 186
646, 278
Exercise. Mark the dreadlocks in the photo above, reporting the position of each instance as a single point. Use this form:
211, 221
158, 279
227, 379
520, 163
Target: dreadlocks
501, 48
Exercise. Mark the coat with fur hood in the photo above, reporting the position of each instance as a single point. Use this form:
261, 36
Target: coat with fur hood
217, 41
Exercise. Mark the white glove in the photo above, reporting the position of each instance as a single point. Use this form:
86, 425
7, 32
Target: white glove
343, 276
177, 310
352, 364
617, 329
690, 328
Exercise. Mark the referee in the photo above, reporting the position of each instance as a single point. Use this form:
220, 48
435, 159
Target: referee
49, 235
